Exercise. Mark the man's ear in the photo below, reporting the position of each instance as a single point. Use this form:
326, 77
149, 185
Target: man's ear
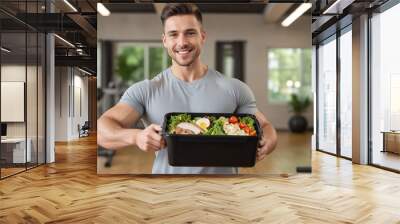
163, 39
203, 35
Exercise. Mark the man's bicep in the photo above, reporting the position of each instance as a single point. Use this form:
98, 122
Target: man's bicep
124, 114
246, 100
261, 118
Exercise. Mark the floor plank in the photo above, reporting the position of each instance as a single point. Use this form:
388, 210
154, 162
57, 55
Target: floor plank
293, 150
70, 191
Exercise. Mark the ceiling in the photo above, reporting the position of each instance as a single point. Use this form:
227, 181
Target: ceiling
79, 27
204, 8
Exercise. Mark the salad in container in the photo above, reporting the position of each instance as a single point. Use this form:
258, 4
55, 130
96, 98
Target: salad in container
211, 139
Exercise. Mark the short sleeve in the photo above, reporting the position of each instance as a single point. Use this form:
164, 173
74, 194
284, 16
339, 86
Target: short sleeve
246, 102
136, 96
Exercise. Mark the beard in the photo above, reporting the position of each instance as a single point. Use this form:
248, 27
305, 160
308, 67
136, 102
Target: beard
194, 54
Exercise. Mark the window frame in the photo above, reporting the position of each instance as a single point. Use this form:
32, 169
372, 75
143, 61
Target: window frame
342, 32
336, 36
146, 55
39, 46
302, 75
378, 10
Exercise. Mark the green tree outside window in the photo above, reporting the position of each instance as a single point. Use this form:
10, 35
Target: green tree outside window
289, 71
136, 62
130, 64
156, 61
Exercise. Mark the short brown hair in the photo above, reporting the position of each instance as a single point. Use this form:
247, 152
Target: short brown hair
174, 9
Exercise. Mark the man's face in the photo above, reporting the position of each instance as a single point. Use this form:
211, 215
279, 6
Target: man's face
183, 38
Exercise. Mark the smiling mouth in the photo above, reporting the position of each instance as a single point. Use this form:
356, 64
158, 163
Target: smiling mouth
184, 52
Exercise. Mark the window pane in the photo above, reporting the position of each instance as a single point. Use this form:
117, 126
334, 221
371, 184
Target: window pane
228, 60
129, 63
385, 86
345, 94
327, 97
289, 71
14, 151
155, 61
31, 98
41, 98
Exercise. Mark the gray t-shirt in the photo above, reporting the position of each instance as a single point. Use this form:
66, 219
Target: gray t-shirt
165, 93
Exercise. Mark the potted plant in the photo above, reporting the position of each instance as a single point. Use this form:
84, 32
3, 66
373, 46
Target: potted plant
298, 123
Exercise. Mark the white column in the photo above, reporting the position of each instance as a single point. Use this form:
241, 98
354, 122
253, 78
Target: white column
50, 94
360, 90
314, 92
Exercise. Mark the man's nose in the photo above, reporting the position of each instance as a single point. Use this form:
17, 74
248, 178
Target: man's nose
182, 41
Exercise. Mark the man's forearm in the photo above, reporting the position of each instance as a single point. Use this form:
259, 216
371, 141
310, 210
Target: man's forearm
270, 136
111, 135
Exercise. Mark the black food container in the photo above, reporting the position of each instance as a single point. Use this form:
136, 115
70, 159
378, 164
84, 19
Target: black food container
211, 150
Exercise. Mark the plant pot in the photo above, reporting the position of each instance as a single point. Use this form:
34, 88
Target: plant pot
298, 124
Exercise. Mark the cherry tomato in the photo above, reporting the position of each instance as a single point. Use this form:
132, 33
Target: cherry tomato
233, 120
242, 125
246, 129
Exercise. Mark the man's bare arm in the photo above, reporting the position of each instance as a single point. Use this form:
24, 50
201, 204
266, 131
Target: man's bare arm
114, 127
269, 141
115, 132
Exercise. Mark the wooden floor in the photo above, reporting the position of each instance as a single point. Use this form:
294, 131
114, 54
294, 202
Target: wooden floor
293, 150
70, 191
387, 159
10, 171
5, 172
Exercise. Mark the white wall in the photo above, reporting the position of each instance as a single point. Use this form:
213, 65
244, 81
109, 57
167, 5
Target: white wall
224, 27
61, 103
17, 73
80, 88
33, 126
66, 100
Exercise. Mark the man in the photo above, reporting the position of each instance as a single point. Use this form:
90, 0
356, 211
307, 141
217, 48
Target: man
187, 86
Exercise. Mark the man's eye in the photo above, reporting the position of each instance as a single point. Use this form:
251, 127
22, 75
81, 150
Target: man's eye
173, 35
192, 33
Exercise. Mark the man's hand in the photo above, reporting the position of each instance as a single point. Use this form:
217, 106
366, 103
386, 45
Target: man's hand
268, 141
264, 149
149, 139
